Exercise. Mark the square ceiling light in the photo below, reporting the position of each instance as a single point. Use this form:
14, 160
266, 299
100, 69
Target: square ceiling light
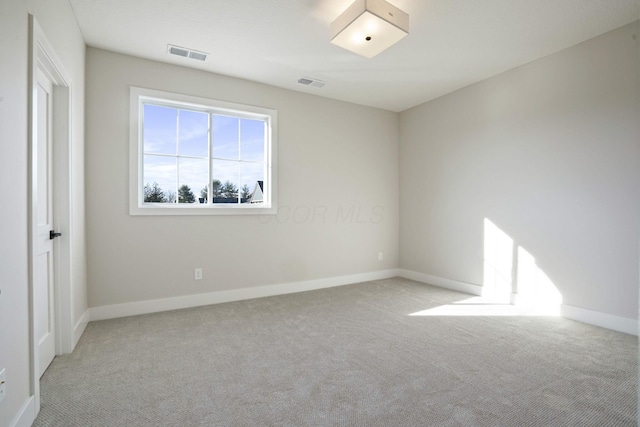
368, 27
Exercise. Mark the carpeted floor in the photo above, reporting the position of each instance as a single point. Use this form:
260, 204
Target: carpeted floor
345, 356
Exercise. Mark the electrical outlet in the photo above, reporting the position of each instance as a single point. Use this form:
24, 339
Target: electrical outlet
3, 384
197, 274
379, 256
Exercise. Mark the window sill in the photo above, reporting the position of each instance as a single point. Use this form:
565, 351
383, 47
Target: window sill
178, 210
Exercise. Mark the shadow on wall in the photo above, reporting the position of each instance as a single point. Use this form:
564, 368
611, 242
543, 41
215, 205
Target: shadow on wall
513, 283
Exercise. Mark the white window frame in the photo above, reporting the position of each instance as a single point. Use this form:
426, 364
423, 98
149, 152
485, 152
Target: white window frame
137, 206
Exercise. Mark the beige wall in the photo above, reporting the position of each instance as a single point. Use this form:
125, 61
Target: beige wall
58, 23
334, 158
549, 152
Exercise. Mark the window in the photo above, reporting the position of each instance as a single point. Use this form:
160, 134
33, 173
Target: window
196, 156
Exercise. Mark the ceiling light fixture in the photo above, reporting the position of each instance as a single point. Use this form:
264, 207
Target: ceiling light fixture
368, 27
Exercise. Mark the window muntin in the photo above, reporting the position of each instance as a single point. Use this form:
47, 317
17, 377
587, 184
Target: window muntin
210, 157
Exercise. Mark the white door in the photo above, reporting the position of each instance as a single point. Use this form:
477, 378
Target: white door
43, 271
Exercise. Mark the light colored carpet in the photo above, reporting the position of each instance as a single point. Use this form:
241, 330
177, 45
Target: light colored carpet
346, 356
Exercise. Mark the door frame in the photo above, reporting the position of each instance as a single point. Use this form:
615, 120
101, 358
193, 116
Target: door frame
43, 57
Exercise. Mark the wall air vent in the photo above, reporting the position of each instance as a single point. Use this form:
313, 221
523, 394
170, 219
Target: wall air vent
186, 53
311, 82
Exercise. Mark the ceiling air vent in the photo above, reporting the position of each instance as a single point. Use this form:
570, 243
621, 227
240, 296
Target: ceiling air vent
311, 82
187, 53
197, 55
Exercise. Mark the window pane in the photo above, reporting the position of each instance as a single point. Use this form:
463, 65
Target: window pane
194, 133
226, 172
225, 137
194, 175
159, 131
250, 174
160, 180
252, 139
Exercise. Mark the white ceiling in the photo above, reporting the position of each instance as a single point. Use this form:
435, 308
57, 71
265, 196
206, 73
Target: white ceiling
451, 43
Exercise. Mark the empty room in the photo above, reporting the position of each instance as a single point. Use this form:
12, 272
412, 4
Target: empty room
319, 213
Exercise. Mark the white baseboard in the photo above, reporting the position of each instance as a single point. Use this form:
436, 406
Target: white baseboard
616, 323
187, 301
27, 414
454, 285
597, 318
80, 326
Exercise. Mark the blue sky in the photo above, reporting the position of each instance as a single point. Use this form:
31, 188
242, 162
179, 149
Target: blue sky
234, 139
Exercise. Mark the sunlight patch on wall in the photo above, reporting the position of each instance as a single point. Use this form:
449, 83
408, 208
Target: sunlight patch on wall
498, 263
534, 287
513, 283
